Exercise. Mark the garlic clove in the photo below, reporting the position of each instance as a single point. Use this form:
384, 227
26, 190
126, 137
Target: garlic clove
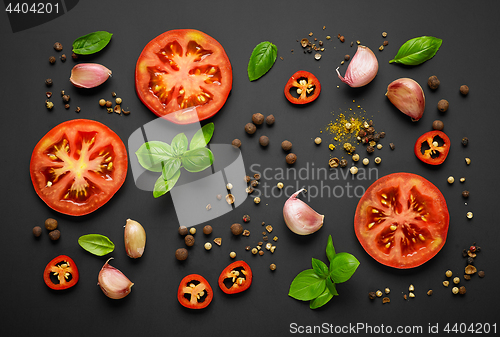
113, 282
407, 95
300, 217
135, 239
362, 69
89, 75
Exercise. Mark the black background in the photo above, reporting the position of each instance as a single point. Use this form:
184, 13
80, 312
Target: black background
468, 55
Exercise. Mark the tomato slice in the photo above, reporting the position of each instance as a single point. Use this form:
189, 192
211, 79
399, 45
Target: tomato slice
235, 278
78, 166
402, 220
303, 87
432, 147
61, 273
194, 292
183, 76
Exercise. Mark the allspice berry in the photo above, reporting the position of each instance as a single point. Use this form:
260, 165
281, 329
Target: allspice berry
443, 105
291, 158
438, 125
264, 140
51, 224
286, 145
189, 240
207, 229
37, 231
464, 90
181, 254
236, 142
433, 82
236, 229
258, 118
54, 235
270, 120
183, 230
250, 128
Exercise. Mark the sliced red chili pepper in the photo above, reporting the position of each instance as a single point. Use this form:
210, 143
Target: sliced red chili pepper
61, 273
194, 292
304, 85
235, 278
432, 147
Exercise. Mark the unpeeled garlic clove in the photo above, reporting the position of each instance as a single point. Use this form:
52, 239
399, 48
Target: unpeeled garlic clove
362, 69
407, 95
135, 239
299, 217
113, 282
89, 75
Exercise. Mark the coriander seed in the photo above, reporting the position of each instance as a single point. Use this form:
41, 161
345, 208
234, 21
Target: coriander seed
366, 161
102, 102
232, 255
378, 293
456, 280
353, 170
446, 283
450, 180
208, 245
256, 200
280, 185
448, 273
317, 140
118, 100
454, 290
192, 231
377, 160
254, 251
469, 215
355, 157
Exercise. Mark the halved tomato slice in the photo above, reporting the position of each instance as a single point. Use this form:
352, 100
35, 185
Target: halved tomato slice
78, 166
183, 76
402, 220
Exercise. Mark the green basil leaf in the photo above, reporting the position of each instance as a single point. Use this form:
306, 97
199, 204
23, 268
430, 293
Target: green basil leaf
320, 268
96, 244
197, 160
262, 59
151, 154
417, 50
170, 168
307, 285
330, 250
91, 43
321, 300
162, 186
343, 267
202, 136
331, 286
179, 144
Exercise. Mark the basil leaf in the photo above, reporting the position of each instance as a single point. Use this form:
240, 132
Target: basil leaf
307, 285
179, 144
91, 43
331, 286
170, 167
321, 300
343, 267
320, 268
162, 186
330, 250
151, 154
262, 59
417, 50
197, 160
96, 244
202, 136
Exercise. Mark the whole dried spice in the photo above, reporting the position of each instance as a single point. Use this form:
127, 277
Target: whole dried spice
270, 120
334, 162
470, 270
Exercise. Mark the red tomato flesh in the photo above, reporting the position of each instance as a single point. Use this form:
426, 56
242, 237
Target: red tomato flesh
78, 166
183, 76
402, 220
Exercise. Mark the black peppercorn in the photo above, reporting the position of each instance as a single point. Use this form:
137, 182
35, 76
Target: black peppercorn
58, 46
464, 253
343, 163
361, 133
52, 60
74, 56
264, 140
270, 120
392, 146
465, 141
382, 134
63, 57
48, 82
370, 149
258, 118
248, 179
250, 128
65, 98
376, 137
470, 260
254, 183
465, 194
372, 295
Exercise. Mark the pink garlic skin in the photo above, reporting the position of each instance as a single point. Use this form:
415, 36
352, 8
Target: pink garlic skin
407, 95
113, 282
89, 75
362, 69
299, 217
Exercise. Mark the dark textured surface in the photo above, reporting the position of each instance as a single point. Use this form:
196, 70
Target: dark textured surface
467, 56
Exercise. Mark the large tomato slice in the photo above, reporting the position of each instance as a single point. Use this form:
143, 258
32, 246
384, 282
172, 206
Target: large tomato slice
78, 166
184, 76
402, 220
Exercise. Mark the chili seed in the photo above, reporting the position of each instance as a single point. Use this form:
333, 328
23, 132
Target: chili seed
218, 241
386, 300
342, 39
246, 232
446, 283
261, 252
411, 295
333, 162
385, 43
230, 199
381, 48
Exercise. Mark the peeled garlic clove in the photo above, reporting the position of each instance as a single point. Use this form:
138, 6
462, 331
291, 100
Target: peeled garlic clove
299, 217
89, 75
408, 96
113, 282
135, 239
362, 69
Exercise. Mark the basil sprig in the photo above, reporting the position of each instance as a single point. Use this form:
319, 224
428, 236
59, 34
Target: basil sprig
168, 159
262, 59
96, 244
317, 285
91, 43
417, 50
